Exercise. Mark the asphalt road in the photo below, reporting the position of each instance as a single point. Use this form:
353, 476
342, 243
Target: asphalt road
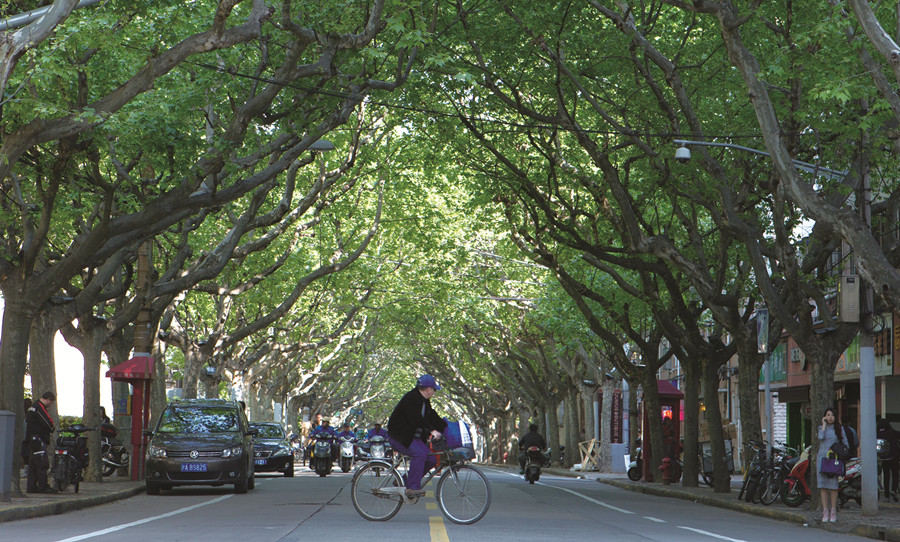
308, 507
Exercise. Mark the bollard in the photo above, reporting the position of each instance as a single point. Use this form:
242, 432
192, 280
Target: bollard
666, 469
7, 451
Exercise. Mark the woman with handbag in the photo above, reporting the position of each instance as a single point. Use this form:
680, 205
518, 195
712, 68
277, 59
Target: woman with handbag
830, 432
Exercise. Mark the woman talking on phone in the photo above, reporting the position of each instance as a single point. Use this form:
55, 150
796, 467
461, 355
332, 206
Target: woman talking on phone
829, 432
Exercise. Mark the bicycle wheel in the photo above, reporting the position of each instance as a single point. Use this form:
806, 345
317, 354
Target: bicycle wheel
365, 492
772, 489
463, 494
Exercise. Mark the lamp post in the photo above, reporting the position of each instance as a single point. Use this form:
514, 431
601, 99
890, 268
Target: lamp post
866, 350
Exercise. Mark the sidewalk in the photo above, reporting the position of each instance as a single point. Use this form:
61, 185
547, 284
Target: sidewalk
34, 505
884, 525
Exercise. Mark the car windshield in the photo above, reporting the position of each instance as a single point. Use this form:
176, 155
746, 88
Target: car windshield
199, 419
269, 431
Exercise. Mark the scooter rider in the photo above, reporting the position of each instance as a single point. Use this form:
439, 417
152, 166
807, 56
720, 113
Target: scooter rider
529, 439
377, 431
346, 432
411, 423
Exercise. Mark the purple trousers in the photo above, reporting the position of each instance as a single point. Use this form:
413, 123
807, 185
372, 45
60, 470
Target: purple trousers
421, 460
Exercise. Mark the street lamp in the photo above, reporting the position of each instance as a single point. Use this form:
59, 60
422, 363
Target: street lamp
683, 155
322, 145
867, 352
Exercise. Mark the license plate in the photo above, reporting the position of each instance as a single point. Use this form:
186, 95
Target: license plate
260, 461
193, 467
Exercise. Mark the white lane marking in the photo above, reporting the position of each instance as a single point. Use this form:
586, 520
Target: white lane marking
657, 520
145, 520
707, 533
589, 499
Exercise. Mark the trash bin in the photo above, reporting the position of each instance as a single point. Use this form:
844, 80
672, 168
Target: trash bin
7, 451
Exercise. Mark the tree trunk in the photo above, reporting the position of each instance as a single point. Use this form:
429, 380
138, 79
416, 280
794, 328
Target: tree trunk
42, 358
605, 436
749, 364
573, 429
553, 430
721, 477
17, 318
692, 422
91, 409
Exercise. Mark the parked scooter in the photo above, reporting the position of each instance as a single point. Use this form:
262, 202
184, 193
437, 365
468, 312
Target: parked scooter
320, 460
850, 485
535, 459
796, 486
112, 451
635, 467
71, 458
348, 453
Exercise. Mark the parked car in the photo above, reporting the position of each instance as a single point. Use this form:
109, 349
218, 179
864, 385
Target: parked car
201, 442
272, 450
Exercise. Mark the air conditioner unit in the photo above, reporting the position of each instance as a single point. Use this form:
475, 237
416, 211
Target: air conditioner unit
848, 297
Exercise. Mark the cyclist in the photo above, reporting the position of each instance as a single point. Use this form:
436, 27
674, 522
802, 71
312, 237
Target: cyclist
411, 423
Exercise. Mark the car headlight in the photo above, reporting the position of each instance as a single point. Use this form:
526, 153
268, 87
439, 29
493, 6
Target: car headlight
235, 451
283, 450
156, 452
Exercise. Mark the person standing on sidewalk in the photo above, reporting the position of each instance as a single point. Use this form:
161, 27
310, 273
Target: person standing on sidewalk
890, 465
829, 432
39, 427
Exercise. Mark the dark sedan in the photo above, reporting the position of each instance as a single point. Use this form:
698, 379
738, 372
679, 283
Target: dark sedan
271, 449
200, 442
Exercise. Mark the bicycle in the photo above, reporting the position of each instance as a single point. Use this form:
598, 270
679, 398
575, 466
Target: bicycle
753, 472
778, 468
463, 493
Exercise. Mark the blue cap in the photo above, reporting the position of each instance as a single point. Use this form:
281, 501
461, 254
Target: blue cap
427, 381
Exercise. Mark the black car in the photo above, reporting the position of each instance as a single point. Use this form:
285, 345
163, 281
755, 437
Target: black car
271, 449
201, 442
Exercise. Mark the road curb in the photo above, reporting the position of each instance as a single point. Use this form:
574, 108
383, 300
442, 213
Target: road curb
739, 506
29, 511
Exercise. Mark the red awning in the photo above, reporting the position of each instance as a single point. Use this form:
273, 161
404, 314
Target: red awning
667, 389
137, 368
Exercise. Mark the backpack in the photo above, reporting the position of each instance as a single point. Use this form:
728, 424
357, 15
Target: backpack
852, 439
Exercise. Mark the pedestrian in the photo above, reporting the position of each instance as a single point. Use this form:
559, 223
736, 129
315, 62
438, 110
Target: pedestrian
829, 432
890, 461
39, 427
412, 422
103, 417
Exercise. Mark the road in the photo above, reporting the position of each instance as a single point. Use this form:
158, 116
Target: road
308, 507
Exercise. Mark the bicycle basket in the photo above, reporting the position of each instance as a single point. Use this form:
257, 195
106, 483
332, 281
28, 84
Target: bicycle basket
462, 453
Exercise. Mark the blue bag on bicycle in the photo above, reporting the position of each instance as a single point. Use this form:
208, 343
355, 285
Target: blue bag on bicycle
458, 435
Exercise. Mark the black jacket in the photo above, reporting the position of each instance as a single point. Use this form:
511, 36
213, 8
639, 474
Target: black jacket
38, 422
532, 439
414, 418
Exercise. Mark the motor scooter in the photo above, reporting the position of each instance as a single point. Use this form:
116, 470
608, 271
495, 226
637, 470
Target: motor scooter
296, 447
71, 458
112, 451
850, 485
320, 460
796, 485
635, 467
535, 459
379, 448
348, 453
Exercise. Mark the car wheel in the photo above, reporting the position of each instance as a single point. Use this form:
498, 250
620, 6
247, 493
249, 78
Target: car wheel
289, 472
252, 482
242, 486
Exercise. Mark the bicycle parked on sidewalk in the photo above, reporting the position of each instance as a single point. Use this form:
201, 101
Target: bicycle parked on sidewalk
777, 470
753, 474
463, 493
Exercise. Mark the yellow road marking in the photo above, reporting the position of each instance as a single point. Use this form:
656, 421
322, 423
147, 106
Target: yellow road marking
438, 531
430, 506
